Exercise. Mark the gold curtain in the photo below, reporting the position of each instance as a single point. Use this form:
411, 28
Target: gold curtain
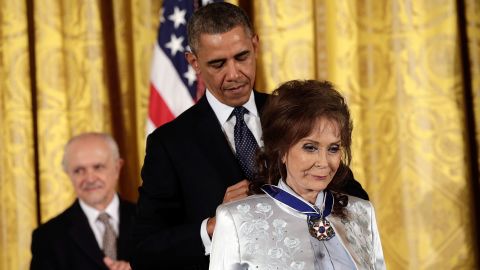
399, 64
66, 67
18, 212
90, 76
472, 9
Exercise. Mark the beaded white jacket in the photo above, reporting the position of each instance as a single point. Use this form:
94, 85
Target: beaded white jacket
260, 233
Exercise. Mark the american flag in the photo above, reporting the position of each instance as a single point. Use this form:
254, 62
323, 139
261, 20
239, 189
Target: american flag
174, 86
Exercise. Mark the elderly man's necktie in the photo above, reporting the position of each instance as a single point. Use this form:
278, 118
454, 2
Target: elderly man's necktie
245, 143
109, 237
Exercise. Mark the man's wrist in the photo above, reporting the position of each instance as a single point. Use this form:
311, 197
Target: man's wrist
210, 226
207, 242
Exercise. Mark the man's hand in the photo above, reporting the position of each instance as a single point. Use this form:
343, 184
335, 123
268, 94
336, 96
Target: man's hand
237, 191
233, 193
116, 265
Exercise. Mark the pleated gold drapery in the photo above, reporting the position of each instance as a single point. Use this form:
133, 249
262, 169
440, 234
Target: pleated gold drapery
90, 76
400, 67
73, 66
86, 68
18, 211
472, 9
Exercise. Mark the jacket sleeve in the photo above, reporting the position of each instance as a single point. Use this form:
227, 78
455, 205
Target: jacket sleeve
225, 253
161, 235
379, 260
40, 250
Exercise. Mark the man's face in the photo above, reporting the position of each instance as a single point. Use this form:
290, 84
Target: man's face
94, 170
226, 63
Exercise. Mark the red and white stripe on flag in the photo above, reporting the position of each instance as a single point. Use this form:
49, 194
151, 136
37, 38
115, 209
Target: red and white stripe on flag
174, 86
170, 75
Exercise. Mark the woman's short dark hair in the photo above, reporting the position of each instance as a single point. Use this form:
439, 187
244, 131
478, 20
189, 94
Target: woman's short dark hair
289, 115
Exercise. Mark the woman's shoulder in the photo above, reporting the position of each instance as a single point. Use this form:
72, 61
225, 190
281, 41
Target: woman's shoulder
357, 209
353, 201
360, 207
252, 199
250, 202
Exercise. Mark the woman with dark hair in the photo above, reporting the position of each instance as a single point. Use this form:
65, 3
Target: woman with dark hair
296, 218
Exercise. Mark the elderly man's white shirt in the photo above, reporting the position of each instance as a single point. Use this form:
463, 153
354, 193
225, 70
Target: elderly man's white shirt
98, 228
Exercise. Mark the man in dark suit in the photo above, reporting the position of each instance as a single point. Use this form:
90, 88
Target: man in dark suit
94, 232
192, 163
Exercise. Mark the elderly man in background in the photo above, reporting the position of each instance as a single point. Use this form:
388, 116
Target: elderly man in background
93, 233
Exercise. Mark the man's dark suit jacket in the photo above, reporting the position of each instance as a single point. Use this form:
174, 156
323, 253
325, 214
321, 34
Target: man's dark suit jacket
187, 169
68, 242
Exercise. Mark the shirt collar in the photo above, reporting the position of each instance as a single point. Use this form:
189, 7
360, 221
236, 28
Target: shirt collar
112, 209
223, 111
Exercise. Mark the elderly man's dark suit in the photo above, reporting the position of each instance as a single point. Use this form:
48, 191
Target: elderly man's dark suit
68, 242
188, 166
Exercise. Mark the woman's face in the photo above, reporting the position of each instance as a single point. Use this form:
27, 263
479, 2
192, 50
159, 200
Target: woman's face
313, 161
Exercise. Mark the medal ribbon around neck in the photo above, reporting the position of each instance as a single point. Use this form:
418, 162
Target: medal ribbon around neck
298, 205
318, 226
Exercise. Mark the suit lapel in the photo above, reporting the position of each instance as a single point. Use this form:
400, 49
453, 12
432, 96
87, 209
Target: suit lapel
124, 230
214, 145
83, 236
260, 100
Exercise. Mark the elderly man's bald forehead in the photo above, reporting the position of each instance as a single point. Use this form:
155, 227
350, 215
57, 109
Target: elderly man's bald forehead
112, 145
